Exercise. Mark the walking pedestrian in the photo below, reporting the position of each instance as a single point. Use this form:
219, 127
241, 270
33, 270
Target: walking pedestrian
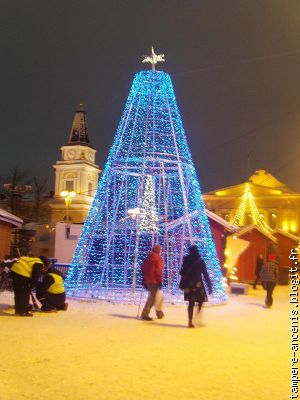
269, 276
152, 273
25, 273
258, 267
192, 273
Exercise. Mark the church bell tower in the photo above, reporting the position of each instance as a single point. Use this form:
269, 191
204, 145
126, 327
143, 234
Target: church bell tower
75, 172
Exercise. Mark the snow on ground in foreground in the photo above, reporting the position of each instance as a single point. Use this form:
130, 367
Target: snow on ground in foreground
98, 351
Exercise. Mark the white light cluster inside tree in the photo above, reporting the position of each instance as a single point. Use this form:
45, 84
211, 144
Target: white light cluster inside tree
148, 218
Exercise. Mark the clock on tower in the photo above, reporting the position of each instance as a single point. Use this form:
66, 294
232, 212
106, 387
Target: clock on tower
70, 154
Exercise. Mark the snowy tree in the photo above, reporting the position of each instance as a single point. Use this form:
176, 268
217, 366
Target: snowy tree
148, 219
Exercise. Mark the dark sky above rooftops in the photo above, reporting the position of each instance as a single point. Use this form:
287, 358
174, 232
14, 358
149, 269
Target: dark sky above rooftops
235, 66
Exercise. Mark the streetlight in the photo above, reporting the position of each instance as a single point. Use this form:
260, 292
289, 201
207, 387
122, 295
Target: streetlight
68, 196
68, 200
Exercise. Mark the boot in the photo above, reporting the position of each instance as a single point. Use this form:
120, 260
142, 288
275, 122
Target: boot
191, 325
24, 314
190, 314
160, 314
146, 318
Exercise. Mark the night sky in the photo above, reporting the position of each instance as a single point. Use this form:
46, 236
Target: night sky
235, 66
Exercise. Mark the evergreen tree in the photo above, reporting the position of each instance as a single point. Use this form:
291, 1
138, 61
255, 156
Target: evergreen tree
148, 219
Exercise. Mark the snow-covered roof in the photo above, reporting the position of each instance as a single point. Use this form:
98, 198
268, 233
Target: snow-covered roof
249, 228
221, 221
10, 218
287, 234
262, 184
264, 178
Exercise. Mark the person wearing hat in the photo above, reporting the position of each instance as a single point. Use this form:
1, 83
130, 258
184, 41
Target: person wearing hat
152, 273
193, 274
269, 276
51, 292
25, 274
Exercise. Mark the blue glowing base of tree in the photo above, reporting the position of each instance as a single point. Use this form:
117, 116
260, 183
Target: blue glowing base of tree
148, 193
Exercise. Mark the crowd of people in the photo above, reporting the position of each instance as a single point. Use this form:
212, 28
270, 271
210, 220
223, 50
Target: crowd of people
33, 279
195, 281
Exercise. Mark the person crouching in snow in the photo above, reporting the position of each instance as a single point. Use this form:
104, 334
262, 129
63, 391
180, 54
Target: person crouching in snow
152, 273
192, 273
52, 293
25, 272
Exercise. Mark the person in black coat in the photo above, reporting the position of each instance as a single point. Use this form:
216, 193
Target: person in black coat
259, 264
192, 273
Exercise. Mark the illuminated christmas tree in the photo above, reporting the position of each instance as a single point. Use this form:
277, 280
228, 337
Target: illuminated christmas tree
248, 205
148, 193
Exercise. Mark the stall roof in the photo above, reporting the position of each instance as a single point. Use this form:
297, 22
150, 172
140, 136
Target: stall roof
221, 221
287, 234
249, 228
10, 218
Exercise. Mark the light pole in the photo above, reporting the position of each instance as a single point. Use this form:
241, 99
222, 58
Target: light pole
68, 196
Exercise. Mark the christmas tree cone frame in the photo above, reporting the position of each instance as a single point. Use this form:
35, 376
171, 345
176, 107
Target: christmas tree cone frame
148, 193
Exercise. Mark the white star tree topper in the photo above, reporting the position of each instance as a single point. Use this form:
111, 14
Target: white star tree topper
154, 58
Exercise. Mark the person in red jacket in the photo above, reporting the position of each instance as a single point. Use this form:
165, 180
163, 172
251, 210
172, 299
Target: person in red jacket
152, 272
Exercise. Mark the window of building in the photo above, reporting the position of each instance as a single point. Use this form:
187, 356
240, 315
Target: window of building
69, 185
289, 223
273, 219
248, 219
226, 217
223, 214
90, 189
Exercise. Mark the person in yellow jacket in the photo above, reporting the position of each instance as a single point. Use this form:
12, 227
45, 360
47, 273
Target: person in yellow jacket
52, 293
25, 273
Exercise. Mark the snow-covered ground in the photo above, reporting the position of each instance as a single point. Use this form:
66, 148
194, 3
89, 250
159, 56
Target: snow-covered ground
98, 351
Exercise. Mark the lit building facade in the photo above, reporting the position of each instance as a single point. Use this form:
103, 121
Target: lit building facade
278, 205
75, 172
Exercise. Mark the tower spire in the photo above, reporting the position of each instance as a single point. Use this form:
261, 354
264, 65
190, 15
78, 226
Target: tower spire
79, 130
